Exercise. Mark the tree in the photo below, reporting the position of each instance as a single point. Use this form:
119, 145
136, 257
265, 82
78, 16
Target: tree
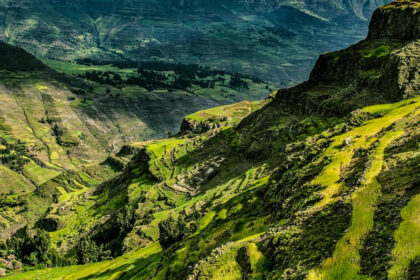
31, 246
87, 251
171, 231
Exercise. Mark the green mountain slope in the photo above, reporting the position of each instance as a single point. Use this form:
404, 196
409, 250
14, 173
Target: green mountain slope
264, 38
317, 182
52, 123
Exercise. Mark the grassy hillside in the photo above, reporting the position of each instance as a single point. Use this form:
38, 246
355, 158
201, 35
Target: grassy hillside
259, 241
317, 182
53, 122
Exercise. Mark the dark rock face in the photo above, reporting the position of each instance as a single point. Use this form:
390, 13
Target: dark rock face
382, 67
196, 127
398, 20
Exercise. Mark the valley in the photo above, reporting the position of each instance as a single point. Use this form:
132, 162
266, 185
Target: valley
276, 40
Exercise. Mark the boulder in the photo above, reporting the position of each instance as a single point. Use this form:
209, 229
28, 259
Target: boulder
17, 265
10, 266
348, 141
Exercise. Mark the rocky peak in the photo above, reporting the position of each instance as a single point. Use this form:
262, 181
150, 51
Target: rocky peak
382, 68
397, 20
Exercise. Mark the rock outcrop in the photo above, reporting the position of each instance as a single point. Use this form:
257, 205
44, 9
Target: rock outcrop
189, 125
10, 264
398, 20
384, 66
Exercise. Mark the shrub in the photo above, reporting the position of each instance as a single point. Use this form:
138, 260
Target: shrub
171, 231
87, 251
33, 247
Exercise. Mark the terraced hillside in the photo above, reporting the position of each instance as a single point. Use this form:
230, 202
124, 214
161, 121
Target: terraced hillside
320, 181
264, 38
57, 122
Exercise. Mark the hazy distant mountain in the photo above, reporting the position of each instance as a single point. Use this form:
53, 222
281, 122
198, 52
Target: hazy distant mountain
277, 39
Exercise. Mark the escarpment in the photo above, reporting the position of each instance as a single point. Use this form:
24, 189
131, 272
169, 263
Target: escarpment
397, 20
384, 66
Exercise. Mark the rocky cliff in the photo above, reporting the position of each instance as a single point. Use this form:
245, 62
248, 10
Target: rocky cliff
397, 20
383, 66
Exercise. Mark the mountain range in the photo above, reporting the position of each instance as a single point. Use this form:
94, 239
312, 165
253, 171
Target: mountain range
275, 40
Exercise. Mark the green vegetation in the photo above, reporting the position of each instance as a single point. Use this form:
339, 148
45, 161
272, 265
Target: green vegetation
221, 116
319, 181
134, 264
169, 78
73, 68
34, 248
258, 40
407, 240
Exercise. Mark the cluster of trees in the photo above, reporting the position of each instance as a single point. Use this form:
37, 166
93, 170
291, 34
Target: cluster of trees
62, 139
78, 91
107, 78
152, 80
236, 82
167, 66
172, 231
11, 200
122, 64
33, 247
87, 251
13, 155
151, 75
105, 240
149, 80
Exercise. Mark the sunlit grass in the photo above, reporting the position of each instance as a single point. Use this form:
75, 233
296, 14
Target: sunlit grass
407, 239
39, 174
344, 264
259, 263
362, 138
103, 270
74, 68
